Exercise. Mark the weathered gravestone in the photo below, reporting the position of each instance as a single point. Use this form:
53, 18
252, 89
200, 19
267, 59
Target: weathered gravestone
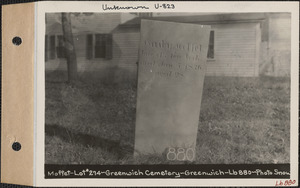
171, 70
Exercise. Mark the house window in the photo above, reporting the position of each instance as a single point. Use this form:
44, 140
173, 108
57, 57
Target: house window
103, 46
100, 44
60, 49
54, 47
211, 52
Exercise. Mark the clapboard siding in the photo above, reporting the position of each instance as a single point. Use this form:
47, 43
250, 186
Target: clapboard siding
241, 47
235, 47
128, 43
80, 45
235, 50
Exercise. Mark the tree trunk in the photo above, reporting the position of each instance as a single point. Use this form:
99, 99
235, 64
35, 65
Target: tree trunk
70, 53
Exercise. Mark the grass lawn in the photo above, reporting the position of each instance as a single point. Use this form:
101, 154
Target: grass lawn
242, 120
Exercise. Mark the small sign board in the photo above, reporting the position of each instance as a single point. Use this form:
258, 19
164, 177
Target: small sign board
171, 70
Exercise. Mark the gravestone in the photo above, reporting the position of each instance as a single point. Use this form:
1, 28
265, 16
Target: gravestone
171, 70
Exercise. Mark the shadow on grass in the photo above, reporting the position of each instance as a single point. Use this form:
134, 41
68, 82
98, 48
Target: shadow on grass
111, 146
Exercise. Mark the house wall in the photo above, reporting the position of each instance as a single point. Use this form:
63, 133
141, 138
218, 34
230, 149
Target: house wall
97, 68
248, 47
80, 45
126, 49
243, 49
235, 50
121, 68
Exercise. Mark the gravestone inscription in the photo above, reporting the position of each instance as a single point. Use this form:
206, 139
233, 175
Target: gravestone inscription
171, 70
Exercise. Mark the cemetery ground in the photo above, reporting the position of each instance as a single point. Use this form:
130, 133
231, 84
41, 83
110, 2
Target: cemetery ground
242, 120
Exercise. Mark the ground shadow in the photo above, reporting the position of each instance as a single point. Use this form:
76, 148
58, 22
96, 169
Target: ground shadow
114, 147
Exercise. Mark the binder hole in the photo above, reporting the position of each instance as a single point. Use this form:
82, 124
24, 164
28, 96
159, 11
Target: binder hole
16, 146
17, 41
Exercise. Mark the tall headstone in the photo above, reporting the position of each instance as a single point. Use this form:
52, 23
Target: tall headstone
171, 70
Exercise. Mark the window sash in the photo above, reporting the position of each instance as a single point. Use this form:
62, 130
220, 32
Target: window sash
60, 49
103, 46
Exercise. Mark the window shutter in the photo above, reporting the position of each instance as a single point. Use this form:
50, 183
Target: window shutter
89, 46
210, 52
60, 49
109, 47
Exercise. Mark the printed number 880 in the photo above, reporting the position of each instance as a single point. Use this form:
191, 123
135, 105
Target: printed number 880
181, 154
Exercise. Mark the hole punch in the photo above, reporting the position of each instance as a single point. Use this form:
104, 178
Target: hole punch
17, 41
16, 146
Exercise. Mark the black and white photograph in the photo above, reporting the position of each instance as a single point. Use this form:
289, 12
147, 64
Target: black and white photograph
148, 88
150, 94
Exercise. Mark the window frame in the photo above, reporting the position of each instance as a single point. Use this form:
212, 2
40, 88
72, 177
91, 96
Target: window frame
106, 42
60, 45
